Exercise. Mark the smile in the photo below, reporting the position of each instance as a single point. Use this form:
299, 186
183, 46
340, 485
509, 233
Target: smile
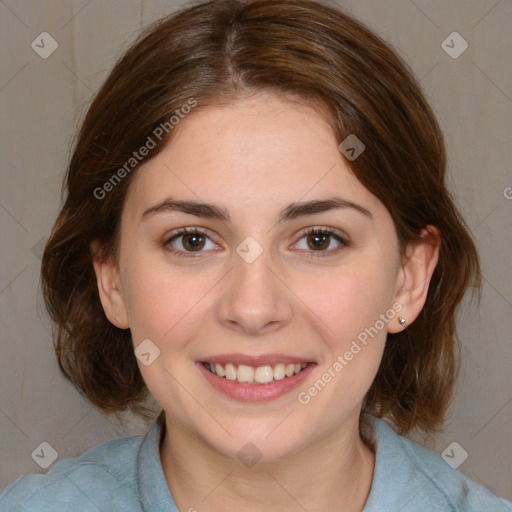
254, 379
265, 374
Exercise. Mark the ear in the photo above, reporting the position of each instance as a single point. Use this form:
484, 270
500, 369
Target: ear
414, 277
109, 287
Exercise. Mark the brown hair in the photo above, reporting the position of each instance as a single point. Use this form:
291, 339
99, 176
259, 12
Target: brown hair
223, 50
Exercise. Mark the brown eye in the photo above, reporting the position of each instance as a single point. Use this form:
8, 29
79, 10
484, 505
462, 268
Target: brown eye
193, 241
318, 240
187, 241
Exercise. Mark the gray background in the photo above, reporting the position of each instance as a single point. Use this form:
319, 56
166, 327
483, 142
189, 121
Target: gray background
41, 102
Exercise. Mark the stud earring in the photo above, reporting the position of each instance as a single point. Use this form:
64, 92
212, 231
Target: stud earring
402, 321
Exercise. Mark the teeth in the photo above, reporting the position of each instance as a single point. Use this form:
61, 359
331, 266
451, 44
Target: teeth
219, 370
230, 372
263, 374
245, 373
259, 375
279, 372
290, 369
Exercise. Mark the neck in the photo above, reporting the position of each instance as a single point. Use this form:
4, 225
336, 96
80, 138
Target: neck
333, 474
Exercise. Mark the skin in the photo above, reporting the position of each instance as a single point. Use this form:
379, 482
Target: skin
253, 157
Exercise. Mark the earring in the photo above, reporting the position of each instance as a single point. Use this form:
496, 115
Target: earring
402, 321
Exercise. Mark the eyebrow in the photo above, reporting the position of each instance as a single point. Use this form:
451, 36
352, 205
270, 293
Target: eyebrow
290, 212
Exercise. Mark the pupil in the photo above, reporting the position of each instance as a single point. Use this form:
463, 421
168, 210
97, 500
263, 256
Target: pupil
195, 243
319, 237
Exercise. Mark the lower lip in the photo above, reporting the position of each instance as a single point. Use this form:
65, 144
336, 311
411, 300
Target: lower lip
255, 392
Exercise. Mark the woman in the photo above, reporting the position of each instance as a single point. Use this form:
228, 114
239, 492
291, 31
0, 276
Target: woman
257, 231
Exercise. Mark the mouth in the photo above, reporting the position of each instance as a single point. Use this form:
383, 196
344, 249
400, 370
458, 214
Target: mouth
255, 375
255, 378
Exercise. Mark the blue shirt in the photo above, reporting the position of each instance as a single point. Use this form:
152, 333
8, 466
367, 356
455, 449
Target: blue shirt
126, 475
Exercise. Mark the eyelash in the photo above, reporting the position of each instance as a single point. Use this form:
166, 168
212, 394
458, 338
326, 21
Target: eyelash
308, 231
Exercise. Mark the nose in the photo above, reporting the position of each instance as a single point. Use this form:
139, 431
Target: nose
254, 298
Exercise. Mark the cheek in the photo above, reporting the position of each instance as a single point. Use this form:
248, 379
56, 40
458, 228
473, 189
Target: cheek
351, 299
350, 303
163, 301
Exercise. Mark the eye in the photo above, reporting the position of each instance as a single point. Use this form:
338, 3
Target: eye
187, 240
319, 239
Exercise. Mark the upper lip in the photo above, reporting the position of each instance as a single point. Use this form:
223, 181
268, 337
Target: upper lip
261, 360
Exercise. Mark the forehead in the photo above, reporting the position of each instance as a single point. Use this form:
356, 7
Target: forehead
256, 153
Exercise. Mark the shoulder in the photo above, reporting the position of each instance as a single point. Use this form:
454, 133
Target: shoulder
449, 484
424, 479
104, 475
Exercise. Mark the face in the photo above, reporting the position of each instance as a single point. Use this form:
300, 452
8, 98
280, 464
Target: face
271, 284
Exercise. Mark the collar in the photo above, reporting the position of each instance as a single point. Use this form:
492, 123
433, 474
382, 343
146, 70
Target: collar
395, 484
152, 486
